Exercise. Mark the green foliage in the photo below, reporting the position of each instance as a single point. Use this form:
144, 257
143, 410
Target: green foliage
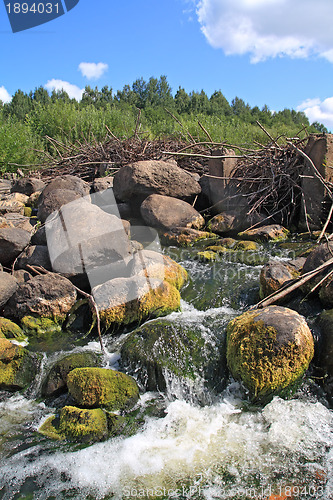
29, 118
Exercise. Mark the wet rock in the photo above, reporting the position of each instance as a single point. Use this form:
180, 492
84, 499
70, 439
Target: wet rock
13, 203
184, 237
165, 212
123, 301
12, 242
28, 185
100, 387
145, 178
34, 255
266, 233
325, 360
18, 367
56, 380
326, 293
222, 223
10, 330
274, 275
160, 349
155, 265
53, 201
90, 243
8, 286
76, 424
269, 350
47, 296
246, 246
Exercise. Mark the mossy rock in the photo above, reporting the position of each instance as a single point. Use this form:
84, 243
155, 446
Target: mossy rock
152, 264
77, 424
269, 350
100, 387
123, 301
207, 256
39, 327
272, 233
246, 246
56, 380
217, 249
11, 330
186, 237
18, 367
160, 347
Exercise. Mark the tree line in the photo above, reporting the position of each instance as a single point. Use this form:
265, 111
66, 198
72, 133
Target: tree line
29, 117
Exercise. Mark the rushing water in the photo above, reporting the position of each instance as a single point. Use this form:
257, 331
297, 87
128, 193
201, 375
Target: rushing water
224, 449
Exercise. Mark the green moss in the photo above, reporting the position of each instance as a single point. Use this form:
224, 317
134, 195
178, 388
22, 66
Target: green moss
99, 387
157, 302
217, 249
40, 327
18, 366
182, 350
187, 238
266, 366
27, 211
206, 256
246, 245
76, 424
172, 272
11, 330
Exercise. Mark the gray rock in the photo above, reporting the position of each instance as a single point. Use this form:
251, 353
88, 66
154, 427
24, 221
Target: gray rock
70, 182
165, 212
12, 242
21, 275
39, 238
47, 296
53, 200
102, 183
8, 286
144, 178
34, 255
28, 185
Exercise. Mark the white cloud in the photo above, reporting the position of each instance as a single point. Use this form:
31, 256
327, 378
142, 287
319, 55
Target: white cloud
93, 70
73, 91
4, 95
318, 111
269, 28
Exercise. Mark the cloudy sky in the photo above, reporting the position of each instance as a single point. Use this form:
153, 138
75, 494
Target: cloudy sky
274, 52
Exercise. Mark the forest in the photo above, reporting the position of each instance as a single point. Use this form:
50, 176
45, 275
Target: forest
148, 107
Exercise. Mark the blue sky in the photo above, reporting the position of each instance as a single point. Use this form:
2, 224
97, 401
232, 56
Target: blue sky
274, 52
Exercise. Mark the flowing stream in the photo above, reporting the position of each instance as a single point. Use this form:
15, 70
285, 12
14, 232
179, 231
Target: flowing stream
201, 445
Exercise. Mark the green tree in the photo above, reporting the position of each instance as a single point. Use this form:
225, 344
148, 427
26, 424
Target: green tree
219, 105
182, 101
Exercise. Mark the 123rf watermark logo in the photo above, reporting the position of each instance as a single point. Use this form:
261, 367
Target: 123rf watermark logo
27, 14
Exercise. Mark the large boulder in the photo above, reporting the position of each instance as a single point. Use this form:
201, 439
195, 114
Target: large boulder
28, 185
165, 212
122, 301
56, 380
269, 351
155, 265
144, 178
161, 350
8, 286
54, 200
12, 242
18, 367
46, 296
34, 255
100, 387
86, 241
